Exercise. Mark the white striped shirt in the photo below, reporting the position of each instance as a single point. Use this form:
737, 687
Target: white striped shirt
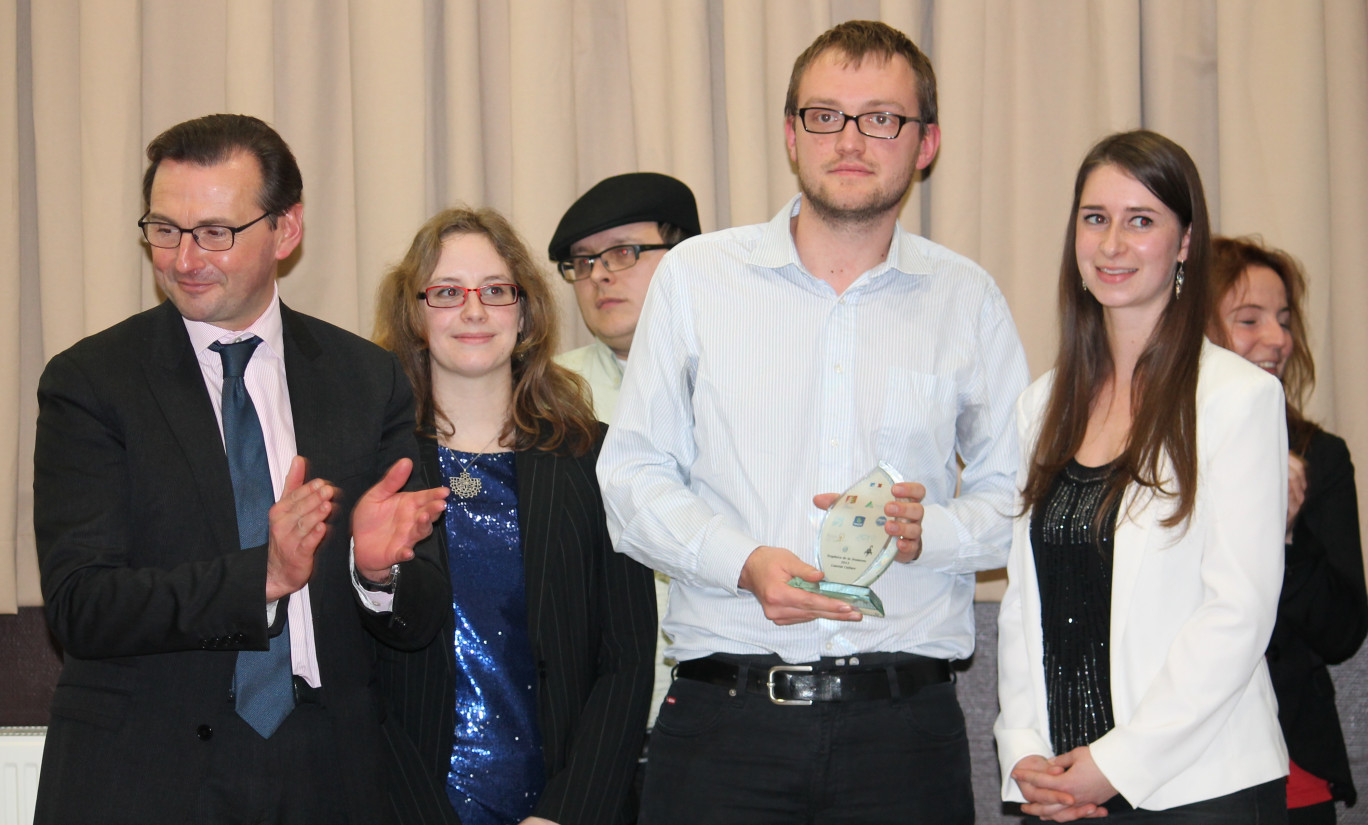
755, 386
265, 380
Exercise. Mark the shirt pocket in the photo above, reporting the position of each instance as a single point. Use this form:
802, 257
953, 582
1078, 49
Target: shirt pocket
95, 705
916, 429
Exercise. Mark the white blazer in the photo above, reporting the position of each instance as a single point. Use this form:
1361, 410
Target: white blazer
1191, 613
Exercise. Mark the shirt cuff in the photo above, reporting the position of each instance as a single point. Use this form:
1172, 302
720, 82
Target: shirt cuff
940, 538
374, 601
723, 556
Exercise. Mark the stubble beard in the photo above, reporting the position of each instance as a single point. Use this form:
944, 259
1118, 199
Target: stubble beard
875, 207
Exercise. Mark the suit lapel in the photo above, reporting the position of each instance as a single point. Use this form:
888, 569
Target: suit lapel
431, 468
308, 388
176, 382
1128, 553
315, 406
536, 494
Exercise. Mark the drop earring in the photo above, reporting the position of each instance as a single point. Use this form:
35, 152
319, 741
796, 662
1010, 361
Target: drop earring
1178, 282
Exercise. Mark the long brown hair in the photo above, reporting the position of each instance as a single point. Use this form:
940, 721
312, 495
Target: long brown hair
1230, 259
550, 409
1164, 384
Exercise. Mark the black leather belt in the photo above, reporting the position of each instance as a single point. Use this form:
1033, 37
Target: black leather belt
800, 685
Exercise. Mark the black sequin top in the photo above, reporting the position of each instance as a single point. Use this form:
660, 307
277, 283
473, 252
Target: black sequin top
1073, 568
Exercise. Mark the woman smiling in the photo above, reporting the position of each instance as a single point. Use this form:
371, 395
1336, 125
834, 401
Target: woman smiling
1145, 561
1323, 609
531, 706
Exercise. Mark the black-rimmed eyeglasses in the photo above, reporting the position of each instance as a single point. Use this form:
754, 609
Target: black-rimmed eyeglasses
449, 296
613, 259
211, 237
881, 125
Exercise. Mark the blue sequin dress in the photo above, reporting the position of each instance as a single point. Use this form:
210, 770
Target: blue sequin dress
497, 768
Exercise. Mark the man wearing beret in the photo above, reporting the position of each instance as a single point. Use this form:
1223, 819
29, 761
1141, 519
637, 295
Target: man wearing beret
607, 246
776, 365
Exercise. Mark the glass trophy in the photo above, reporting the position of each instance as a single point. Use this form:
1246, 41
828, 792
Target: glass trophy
853, 550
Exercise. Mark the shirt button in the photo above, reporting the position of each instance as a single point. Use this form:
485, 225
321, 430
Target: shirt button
204, 732
835, 443
839, 369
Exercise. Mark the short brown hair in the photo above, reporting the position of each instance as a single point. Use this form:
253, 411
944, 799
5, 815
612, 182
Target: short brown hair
550, 409
212, 139
856, 40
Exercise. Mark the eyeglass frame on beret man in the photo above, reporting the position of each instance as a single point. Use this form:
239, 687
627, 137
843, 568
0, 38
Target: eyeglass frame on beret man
613, 259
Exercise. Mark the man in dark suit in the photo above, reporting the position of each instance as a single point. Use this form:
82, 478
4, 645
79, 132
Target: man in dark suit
217, 661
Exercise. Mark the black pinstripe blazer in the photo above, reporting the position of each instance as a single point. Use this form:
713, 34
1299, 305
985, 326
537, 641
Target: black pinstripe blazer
591, 622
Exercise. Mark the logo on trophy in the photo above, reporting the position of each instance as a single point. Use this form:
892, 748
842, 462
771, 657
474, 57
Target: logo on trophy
853, 550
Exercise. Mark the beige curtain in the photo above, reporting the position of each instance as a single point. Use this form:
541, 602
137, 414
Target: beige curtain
396, 108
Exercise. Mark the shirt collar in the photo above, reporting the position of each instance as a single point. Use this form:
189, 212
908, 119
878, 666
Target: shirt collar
267, 327
777, 250
609, 360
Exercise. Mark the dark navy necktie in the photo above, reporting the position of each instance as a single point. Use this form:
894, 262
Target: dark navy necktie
263, 679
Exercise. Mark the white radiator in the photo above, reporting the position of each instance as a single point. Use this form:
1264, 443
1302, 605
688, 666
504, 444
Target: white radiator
21, 752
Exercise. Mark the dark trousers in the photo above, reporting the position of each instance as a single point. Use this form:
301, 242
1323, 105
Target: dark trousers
1322, 813
723, 756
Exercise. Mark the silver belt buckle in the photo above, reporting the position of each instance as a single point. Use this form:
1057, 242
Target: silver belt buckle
769, 684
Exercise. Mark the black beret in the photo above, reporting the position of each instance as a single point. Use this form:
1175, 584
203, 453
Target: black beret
623, 199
